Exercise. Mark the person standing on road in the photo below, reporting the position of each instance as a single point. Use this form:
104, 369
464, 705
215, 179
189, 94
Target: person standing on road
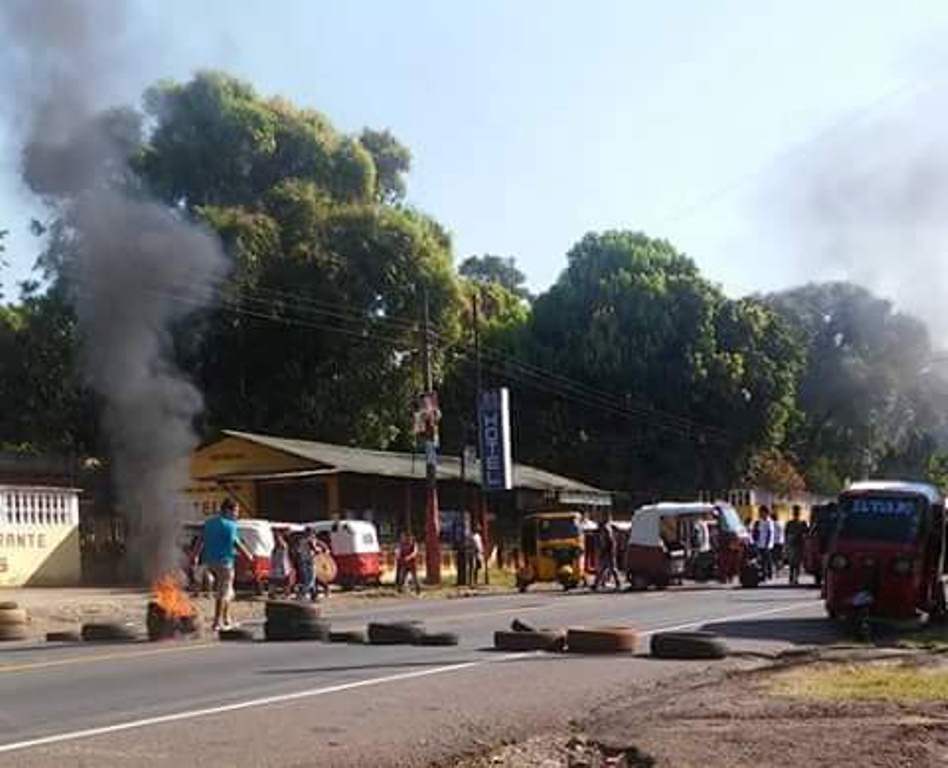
779, 542
797, 530
221, 544
764, 541
477, 547
305, 550
607, 557
406, 562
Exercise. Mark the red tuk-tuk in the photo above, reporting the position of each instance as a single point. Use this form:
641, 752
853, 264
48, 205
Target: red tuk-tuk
886, 557
672, 541
355, 548
817, 540
250, 574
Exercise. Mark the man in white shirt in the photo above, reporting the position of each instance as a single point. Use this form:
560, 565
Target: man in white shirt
779, 542
764, 541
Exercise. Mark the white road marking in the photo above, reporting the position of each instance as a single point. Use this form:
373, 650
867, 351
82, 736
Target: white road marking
313, 692
753, 615
261, 702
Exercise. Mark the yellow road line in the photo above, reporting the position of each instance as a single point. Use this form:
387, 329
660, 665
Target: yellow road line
100, 657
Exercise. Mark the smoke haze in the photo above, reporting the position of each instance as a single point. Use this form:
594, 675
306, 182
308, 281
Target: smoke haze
869, 204
139, 268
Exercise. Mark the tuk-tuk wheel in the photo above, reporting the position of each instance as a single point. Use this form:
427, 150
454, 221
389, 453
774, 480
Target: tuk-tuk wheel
818, 579
522, 585
638, 582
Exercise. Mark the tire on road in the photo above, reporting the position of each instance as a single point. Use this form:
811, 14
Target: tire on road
13, 616
750, 577
395, 633
305, 629
60, 636
109, 632
687, 645
355, 636
437, 638
536, 640
285, 610
13, 632
238, 634
8, 605
601, 640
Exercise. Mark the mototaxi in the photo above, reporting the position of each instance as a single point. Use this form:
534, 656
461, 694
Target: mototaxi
251, 573
886, 557
817, 540
354, 545
671, 541
551, 544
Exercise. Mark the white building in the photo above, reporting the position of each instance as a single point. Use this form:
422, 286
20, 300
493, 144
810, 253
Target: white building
39, 536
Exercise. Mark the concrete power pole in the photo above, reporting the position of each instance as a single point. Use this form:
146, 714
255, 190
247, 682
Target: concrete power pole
432, 517
479, 383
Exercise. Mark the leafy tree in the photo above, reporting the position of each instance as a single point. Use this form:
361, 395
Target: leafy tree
495, 269
775, 471
679, 385
392, 162
3, 262
867, 393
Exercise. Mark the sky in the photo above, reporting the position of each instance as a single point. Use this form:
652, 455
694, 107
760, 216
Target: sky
532, 123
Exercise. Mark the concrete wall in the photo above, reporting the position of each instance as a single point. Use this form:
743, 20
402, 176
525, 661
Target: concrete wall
39, 536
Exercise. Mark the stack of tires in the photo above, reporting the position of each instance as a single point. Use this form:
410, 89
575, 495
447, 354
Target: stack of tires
294, 621
13, 622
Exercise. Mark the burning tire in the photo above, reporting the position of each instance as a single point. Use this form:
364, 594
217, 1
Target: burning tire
395, 633
116, 633
437, 639
532, 640
601, 640
687, 645
70, 636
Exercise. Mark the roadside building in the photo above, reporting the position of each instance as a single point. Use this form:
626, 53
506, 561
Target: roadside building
302, 480
39, 536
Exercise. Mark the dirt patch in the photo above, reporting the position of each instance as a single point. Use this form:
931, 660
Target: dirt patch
756, 718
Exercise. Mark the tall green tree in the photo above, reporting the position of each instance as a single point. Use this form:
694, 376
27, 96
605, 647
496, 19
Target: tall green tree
870, 398
680, 384
497, 270
392, 163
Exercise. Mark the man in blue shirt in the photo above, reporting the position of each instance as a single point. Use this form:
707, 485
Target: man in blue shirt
221, 542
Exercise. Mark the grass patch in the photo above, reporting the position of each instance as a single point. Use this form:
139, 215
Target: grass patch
864, 682
931, 637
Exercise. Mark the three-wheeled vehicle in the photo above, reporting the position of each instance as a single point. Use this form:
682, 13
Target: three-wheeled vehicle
250, 574
552, 547
817, 540
886, 558
620, 529
354, 545
671, 541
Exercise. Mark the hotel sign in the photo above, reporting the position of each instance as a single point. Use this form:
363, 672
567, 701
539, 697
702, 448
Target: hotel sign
493, 421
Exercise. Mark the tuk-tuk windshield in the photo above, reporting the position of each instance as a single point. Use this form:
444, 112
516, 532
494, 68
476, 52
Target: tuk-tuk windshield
881, 518
553, 528
729, 521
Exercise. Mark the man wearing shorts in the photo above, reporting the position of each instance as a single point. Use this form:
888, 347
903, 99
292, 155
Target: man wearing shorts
221, 543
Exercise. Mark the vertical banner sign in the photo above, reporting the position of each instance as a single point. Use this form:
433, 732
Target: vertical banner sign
494, 432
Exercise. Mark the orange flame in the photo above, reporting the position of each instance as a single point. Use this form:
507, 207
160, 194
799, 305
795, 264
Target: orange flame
171, 598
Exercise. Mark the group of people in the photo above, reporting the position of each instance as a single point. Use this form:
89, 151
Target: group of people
292, 565
778, 544
406, 560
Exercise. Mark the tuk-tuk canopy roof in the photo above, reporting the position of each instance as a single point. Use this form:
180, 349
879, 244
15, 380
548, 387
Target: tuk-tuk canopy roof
646, 522
897, 486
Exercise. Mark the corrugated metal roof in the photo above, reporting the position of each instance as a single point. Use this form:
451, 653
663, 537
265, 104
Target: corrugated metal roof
405, 465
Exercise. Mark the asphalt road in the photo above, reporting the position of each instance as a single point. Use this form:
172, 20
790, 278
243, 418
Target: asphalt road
296, 704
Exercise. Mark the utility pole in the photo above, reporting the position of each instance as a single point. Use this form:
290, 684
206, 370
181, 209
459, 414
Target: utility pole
432, 518
481, 498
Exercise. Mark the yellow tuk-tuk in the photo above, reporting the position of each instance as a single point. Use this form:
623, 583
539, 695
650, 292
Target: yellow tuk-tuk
552, 547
